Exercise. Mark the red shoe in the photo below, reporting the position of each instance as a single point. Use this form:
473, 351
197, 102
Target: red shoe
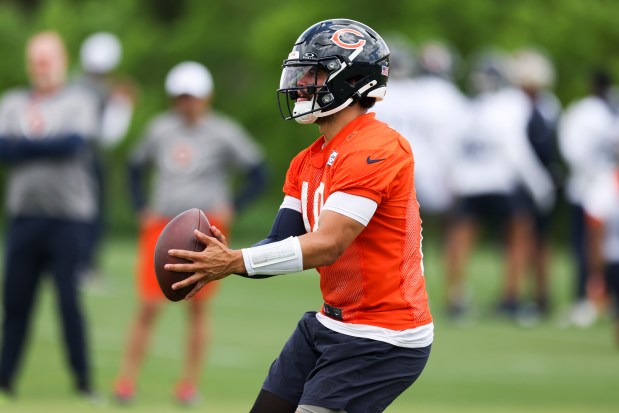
124, 391
187, 394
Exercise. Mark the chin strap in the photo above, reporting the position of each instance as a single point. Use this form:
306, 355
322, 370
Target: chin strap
305, 108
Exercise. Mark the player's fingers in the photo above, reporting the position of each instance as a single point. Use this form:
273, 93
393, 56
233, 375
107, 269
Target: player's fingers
187, 281
219, 235
205, 238
186, 254
190, 267
195, 290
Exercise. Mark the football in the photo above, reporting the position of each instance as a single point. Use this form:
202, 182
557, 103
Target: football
178, 234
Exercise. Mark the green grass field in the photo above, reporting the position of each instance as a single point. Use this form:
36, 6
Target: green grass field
486, 366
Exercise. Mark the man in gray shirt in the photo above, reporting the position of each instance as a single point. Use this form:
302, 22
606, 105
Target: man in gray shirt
45, 139
194, 153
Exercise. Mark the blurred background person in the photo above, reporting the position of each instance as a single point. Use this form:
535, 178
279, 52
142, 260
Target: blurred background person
602, 212
425, 106
100, 55
193, 151
533, 72
587, 142
46, 138
489, 161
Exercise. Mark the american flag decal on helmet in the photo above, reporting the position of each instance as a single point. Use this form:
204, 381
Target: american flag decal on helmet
384, 70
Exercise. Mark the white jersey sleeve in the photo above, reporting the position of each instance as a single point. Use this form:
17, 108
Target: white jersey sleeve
291, 202
353, 206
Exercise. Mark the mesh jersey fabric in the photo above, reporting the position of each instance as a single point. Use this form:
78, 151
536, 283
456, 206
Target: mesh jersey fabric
379, 279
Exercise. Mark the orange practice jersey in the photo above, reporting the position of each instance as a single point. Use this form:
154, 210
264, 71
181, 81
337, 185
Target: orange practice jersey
379, 279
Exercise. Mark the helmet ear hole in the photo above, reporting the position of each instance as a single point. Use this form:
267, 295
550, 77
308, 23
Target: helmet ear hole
357, 84
354, 80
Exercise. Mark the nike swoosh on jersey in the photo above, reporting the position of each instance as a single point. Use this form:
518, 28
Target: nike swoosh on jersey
370, 160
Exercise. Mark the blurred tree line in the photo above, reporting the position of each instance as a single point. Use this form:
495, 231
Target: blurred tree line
244, 42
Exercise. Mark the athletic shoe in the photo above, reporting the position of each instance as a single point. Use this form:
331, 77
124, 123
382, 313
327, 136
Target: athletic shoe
529, 315
124, 391
507, 309
89, 397
583, 314
187, 394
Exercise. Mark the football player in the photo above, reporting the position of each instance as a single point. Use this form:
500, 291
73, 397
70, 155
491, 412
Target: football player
350, 211
587, 141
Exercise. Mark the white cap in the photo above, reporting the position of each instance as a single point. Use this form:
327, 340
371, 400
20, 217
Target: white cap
436, 57
530, 68
189, 78
100, 52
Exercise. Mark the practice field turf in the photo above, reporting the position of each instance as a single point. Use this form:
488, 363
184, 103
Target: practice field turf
485, 365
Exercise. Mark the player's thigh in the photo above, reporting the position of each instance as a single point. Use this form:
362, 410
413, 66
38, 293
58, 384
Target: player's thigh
360, 375
288, 373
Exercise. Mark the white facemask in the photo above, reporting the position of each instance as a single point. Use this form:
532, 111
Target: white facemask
302, 107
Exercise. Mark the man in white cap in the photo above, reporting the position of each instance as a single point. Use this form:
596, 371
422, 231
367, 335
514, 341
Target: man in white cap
194, 152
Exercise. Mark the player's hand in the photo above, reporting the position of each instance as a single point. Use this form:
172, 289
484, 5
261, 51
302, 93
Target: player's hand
215, 262
219, 235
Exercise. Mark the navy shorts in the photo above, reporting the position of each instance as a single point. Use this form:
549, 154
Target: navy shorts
495, 208
320, 367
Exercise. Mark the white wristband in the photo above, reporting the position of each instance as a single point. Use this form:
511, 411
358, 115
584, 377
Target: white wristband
282, 257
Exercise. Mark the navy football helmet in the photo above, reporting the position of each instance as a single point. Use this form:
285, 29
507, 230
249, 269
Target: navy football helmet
351, 57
